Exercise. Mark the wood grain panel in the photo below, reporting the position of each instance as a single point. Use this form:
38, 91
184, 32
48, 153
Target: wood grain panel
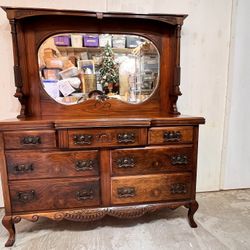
151, 160
170, 135
54, 194
20, 139
33, 164
149, 188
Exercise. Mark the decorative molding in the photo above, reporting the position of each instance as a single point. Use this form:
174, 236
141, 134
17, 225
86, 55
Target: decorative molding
102, 104
104, 137
19, 13
130, 213
82, 215
176, 92
17, 73
93, 214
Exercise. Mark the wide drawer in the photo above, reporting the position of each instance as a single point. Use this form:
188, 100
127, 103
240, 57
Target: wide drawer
151, 160
54, 194
170, 135
33, 164
151, 188
86, 138
30, 139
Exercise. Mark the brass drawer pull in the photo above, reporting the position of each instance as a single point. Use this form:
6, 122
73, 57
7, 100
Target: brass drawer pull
126, 162
31, 140
23, 168
126, 192
82, 139
84, 165
128, 137
26, 196
179, 160
178, 188
85, 195
171, 136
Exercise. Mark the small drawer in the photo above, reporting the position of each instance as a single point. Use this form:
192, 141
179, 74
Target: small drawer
170, 135
151, 188
87, 138
30, 139
33, 164
151, 160
54, 194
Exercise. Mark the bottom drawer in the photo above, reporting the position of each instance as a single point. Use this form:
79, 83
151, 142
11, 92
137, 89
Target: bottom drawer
54, 194
150, 188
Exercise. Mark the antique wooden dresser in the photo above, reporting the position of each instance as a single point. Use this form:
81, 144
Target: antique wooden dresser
81, 154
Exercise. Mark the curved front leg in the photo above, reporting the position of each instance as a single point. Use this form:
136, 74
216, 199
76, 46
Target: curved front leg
9, 225
193, 206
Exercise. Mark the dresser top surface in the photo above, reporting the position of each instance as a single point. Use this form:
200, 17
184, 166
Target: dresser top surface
77, 122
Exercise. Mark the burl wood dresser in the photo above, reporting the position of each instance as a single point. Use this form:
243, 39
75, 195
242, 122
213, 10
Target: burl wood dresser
104, 155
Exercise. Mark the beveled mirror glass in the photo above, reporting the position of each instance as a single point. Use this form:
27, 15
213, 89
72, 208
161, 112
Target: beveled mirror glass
75, 67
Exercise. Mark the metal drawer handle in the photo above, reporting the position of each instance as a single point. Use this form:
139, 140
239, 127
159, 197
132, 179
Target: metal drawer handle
31, 140
85, 195
128, 137
126, 162
179, 160
172, 136
26, 196
126, 192
178, 188
82, 139
84, 165
23, 168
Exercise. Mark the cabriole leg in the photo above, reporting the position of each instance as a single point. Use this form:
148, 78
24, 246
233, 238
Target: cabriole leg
192, 208
9, 225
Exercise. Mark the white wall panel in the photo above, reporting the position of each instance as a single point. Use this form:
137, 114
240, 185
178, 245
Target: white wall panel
236, 170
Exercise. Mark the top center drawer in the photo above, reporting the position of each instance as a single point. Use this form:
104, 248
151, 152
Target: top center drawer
99, 137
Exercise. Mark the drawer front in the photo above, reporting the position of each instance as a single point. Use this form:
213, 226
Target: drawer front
170, 135
151, 188
33, 164
30, 139
54, 194
86, 138
151, 160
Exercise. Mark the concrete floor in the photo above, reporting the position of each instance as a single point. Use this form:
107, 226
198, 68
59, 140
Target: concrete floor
223, 223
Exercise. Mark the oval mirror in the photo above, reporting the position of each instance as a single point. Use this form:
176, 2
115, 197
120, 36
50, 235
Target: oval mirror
76, 67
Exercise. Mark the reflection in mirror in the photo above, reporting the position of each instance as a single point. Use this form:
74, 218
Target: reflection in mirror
76, 67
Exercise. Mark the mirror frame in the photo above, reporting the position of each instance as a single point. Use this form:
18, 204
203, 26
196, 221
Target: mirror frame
31, 26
